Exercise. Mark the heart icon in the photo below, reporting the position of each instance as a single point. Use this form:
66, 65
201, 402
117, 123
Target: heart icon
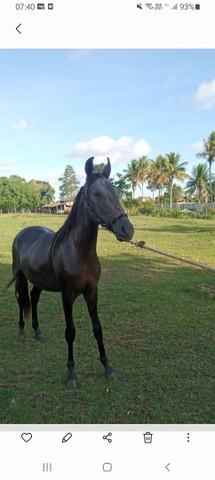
26, 437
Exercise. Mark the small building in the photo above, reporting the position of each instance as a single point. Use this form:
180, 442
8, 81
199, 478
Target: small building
144, 199
62, 206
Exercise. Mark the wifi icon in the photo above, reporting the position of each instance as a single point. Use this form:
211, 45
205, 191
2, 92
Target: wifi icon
149, 5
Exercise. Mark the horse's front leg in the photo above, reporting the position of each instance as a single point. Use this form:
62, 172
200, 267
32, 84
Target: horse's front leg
68, 300
91, 298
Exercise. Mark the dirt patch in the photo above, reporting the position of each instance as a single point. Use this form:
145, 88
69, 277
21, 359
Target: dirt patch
208, 289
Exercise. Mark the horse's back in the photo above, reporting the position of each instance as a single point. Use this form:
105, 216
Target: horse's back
30, 239
32, 234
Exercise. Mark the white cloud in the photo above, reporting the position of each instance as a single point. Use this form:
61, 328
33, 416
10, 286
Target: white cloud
52, 177
78, 54
197, 146
169, 82
141, 148
98, 145
35, 120
18, 127
170, 100
52, 174
204, 98
6, 167
8, 162
120, 151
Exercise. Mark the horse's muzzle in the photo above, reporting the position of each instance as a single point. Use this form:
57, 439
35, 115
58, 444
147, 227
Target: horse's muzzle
123, 229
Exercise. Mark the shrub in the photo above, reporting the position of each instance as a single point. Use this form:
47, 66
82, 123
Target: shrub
147, 207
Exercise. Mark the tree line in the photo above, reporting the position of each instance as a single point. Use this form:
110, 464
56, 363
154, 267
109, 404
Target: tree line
16, 194
159, 176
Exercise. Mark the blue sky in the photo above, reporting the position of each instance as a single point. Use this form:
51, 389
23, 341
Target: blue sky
59, 107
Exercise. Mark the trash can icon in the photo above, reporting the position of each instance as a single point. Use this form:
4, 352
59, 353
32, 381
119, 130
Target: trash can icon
147, 437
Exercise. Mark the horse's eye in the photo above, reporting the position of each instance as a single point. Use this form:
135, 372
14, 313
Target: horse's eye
97, 194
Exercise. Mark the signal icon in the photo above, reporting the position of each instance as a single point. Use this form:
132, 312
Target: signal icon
175, 7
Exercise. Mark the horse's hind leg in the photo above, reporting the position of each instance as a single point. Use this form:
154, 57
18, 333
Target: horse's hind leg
35, 295
91, 298
23, 301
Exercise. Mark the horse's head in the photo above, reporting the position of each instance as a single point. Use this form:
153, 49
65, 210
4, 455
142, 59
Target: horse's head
102, 201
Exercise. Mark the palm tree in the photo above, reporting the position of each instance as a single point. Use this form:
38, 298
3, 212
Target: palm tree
132, 174
143, 170
199, 182
153, 177
157, 175
174, 170
209, 153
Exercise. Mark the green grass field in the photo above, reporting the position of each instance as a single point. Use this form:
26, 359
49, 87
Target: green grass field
157, 316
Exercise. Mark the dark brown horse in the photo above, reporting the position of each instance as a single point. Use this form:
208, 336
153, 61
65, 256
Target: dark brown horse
67, 262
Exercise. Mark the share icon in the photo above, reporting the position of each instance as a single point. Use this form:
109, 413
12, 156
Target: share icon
105, 437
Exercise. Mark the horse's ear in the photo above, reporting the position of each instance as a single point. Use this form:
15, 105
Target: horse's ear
89, 167
107, 169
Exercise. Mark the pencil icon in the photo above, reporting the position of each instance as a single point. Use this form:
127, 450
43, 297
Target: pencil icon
66, 437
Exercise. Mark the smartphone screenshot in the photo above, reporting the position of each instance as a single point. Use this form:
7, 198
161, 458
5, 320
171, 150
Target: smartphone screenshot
107, 252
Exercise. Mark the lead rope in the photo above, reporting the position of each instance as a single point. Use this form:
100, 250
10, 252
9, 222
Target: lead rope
141, 244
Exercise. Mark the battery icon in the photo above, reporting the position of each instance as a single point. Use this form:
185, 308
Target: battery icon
197, 6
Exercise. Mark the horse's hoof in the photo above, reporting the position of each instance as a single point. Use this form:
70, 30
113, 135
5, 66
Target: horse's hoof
111, 376
21, 336
72, 383
39, 335
72, 380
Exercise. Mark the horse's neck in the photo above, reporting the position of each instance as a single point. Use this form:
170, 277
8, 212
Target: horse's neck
86, 231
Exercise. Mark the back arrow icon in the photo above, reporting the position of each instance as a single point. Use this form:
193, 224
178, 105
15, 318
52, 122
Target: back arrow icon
17, 28
167, 467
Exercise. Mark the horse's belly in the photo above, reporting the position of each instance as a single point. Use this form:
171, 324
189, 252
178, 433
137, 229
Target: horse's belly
43, 277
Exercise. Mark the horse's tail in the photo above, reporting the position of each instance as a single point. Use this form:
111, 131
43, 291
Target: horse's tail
24, 295
11, 281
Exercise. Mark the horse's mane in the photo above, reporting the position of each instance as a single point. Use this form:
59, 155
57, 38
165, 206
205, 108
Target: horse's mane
63, 232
